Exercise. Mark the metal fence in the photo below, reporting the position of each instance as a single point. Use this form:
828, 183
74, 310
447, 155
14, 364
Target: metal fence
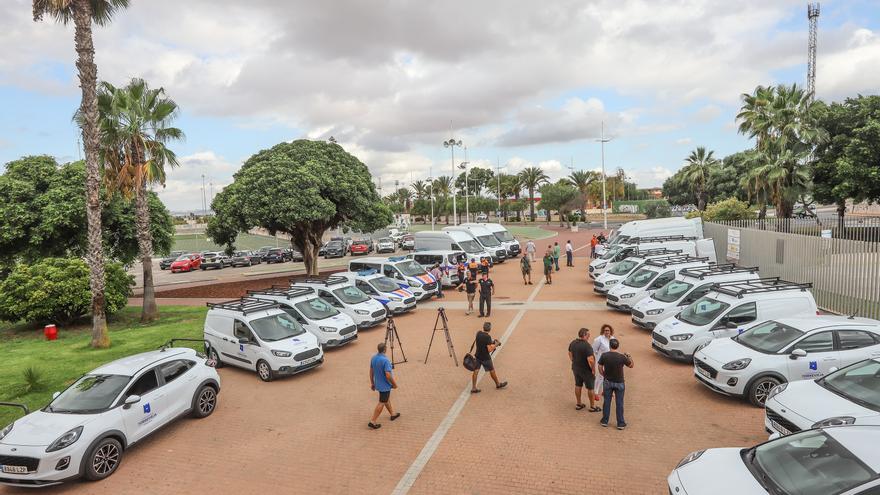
852, 227
845, 273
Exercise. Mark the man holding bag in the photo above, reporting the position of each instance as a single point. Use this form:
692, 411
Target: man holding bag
485, 345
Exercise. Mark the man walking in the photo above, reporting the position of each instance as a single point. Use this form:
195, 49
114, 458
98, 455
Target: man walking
485, 345
526, 266
569, 254
470, 287
548, 267
611, 367
583, 365
530, 249
487, 290
382, 381
556, 252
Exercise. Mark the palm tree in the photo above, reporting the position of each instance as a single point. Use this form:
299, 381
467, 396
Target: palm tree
404, 195
754, 116
696, 171
420, 188
532, 178
442, 187
83, 13
134, 129
581, 179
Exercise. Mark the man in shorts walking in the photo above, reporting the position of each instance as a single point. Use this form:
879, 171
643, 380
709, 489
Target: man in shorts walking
469, 285
382, 381
485, 344
583, 365
548, 267
526, 266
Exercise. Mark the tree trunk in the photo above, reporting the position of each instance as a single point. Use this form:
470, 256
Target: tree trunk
149, 311
841, 224
518, 212
310, 245
532, 203
88, 78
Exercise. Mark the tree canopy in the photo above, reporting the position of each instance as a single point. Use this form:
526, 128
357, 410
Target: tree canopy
478, 179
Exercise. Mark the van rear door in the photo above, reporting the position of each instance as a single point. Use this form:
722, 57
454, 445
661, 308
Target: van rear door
706, 249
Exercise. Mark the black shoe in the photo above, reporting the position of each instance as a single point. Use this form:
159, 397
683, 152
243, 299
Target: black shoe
621, 427
374, 426
604, 425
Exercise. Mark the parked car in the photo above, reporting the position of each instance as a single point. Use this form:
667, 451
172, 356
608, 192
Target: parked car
652, 276
482, 217
408, 242
323, 249
334, 249
341, 293
276, 255
187, 263
385, 245
406, 272
245, 258
387, 291
166, 262
215, 260
331, 327
87, 428
295, 255
360, 247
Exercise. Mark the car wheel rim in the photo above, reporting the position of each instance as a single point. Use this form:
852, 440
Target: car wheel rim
264, 371
763, 390
207, 401
106, 459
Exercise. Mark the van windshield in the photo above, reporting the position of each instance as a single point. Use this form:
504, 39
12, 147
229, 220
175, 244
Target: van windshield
673, 291
488, 240
610, 253
410, 268
640, 278
351, 295
316, 309
470, 246
276, 327
504, 236
703, 311
769, 337
623, 267
384, 284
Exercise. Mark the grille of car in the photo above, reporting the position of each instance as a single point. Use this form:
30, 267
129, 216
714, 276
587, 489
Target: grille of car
30, 463
409, 300
705, 367
431, 286
613, 298
501, 253
659, 338
307, 354
774, 417
347, 330
378, 314
638, 314
598, 284
514, 248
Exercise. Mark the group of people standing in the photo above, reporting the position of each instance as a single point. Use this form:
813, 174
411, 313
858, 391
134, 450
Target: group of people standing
599, 369
550, 261
468, 282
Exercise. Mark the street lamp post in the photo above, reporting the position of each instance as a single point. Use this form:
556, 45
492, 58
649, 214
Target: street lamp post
467, 206
451, 144
431, 185
604, 140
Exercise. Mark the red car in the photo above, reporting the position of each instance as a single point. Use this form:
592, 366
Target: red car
359, 247
187, 263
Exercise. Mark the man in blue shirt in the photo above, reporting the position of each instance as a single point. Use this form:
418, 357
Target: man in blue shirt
382, 381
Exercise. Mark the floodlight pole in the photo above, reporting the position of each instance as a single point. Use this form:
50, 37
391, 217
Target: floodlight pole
604, 140
451, 144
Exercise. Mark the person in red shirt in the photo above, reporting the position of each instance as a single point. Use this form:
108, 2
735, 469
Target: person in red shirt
593, 243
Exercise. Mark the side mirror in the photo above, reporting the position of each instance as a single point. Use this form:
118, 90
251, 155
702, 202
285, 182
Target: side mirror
55, 395
131, 400
244, 341
798, 353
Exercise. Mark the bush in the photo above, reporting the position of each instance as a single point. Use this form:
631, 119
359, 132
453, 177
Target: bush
729, 209
33, 379
658, 210
56, 290
693, 214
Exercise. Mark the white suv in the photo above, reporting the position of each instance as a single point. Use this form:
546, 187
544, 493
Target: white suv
85, 430
341, 293
395, 296
621, 269
331, 327
783, 350
728, 310
652, 275
256, 334
689, 285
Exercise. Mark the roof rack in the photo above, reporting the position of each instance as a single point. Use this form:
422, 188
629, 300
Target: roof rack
319, 280
656, 251
674, 260
702, 272
771, 284
661, 238
244, 305
283, 291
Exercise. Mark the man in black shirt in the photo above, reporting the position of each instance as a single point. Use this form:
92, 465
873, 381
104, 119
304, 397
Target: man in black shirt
611, 366
583, 365
469, 285
485, 344
487, 290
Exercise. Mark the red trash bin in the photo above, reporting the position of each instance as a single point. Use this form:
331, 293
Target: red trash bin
51, 332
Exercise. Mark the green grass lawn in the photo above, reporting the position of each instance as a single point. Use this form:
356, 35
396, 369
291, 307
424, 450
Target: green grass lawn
62, 361
522, 232
244, 242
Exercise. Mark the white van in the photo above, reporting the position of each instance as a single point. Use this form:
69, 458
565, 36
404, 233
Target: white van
504, 237
690, 285
341, 293
331, 327
393, 294
485, 238
728, 310
622, 269
652, 275
454, 240
256, 334
619, 252
420, 282
447, 260
655, 227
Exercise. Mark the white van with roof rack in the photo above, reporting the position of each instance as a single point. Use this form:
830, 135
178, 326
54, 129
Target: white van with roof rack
652, 275
619, 252
727, 310
447, 260
672, 226
330, 326
507, 240
256, 334
341, 293
485, 238
624, 268
689, 285
401, 268
395, 296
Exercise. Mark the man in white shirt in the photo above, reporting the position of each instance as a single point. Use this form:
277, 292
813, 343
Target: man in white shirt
530, 249
569, 254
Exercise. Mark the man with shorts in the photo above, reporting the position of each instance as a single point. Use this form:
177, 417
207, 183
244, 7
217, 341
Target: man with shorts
485, 344
382, 381
548, 267
526, 267
583, 365
469, 285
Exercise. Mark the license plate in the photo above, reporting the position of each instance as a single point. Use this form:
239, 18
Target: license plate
779, 428
703, 372
15, 469
308, 361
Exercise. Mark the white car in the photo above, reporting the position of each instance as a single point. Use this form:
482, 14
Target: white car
395, 296
652, 275
784, 350
689, 285
402, 269
341, 293
840, 460
257, 335
447, 260
847, 396
329, 325
86, 429
727, 310
621, 269
385, 245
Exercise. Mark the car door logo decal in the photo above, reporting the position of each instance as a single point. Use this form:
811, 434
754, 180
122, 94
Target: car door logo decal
149, 415
814, 365
147, 408
240, 347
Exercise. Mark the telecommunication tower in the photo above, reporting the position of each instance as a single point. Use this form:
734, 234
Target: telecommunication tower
813, 16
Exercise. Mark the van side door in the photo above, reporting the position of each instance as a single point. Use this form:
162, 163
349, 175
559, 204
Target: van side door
245, 346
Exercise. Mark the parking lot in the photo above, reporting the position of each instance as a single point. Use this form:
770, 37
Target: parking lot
308, 433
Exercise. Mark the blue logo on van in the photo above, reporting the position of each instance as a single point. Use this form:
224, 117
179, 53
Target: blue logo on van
147, 408
814, 365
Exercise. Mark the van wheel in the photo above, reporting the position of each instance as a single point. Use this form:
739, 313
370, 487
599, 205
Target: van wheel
760, 390
204, 402
213, 354
264, 371
103, 459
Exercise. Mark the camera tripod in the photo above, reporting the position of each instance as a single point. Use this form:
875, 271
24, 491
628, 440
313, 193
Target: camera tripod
392, 335
441, 317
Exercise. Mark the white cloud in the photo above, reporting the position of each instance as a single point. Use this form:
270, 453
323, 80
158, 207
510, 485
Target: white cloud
683, 141
652, 177
183, 187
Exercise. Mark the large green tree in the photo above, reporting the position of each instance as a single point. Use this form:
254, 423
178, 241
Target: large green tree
478, 179
531, 178
561, 197
302, 188
83, 13
699, 165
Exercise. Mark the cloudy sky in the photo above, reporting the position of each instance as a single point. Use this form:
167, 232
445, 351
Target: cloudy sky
519, 82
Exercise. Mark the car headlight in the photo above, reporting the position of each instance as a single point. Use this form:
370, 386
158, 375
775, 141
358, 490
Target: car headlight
737, 365
682, 336
329, 329
656, 311
281, 353
693, 456
601, 265
777, 390
361, 312
835, 421
626, 296
66, 440
5, 431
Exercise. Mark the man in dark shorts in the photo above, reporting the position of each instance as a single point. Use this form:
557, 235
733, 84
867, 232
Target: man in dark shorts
548, 267
611, 366
487, 290
382, 381
469, 285
583, 365
485, 344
